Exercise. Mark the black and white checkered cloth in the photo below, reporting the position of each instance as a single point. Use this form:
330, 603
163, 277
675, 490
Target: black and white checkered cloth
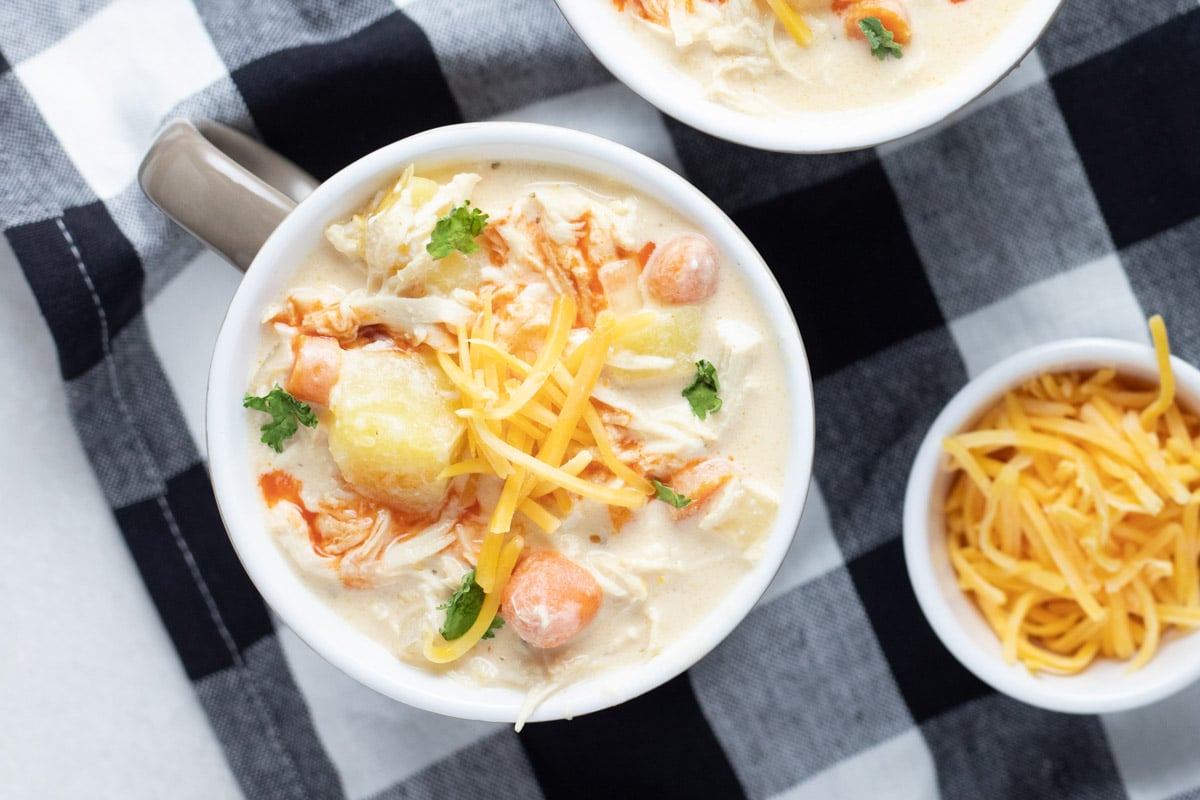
1065, 202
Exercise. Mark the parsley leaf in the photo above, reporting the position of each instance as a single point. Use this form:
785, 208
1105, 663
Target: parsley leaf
701, 394
286, 411
880, 38
457, 231
669, 495
463, 609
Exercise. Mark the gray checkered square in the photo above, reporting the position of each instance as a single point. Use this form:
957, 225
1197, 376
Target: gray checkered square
1164, 272
262, 721
164, 247
243, 32
128, 420
998, 201
737, 177
19, 40
978, 746
871, 417
500, 56
767, 694
495, 767
39, 180
1087, 28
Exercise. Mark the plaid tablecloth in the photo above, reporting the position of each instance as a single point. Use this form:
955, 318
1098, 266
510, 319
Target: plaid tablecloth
1065, 202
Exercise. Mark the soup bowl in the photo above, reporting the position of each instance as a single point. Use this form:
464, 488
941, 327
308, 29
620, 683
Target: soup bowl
676, 91
261, 229
1104, 686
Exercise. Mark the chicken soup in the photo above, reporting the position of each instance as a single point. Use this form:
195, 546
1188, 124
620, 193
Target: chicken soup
518, 424
782, 57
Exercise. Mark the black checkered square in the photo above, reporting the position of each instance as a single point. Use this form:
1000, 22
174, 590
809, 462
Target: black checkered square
245, 32
852, 277
1139, 143
995, 748
324, 105
1086, 28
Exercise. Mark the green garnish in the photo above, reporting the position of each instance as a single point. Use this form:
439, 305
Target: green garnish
462, 610
669, 495
286, 411
457, 231
882, 41
701, 394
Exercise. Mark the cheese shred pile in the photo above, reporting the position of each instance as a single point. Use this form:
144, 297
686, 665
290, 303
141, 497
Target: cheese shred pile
1073, 521
533, 426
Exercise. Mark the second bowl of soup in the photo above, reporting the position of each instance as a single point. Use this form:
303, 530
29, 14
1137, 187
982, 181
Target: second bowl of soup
809, 77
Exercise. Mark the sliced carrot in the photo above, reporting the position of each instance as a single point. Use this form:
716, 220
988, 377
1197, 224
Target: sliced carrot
549, 599
891, 14
317, 364
644, 254
699, 481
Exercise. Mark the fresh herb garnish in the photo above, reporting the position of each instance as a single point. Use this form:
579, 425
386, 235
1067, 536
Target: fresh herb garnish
457, 231
669, 495
701, 394
462, 609
286, 411
882, 40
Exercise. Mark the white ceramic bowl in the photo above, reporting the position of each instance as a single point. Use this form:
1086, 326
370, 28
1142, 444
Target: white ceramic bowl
233, 364
606, 33
1103, 687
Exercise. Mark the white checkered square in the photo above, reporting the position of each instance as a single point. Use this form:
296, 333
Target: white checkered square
899, 769
104, 88
1092, 300
814, 551
1155, 747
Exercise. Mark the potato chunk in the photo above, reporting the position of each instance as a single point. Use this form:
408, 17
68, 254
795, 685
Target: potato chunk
666, 346
394, 427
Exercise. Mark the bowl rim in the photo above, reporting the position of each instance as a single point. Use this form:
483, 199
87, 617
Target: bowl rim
658, 82
929, 579
271, 571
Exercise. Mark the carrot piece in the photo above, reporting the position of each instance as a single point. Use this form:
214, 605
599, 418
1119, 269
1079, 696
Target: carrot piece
683, 271
549, 599
644, 254
891, 14
315, 369
699, 481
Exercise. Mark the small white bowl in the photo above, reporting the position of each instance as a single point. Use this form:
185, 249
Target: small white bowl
233, 365
606, 33
1103, 687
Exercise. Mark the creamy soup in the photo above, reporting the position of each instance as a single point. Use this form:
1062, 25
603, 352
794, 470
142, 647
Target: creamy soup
543, 424
779, 57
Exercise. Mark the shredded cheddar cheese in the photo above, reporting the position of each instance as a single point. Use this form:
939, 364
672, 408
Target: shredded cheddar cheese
534, 426
1074, 521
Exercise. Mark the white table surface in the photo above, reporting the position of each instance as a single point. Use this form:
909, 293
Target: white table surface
93, 700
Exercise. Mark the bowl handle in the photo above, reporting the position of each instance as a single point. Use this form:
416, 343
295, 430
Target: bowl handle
221, 186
